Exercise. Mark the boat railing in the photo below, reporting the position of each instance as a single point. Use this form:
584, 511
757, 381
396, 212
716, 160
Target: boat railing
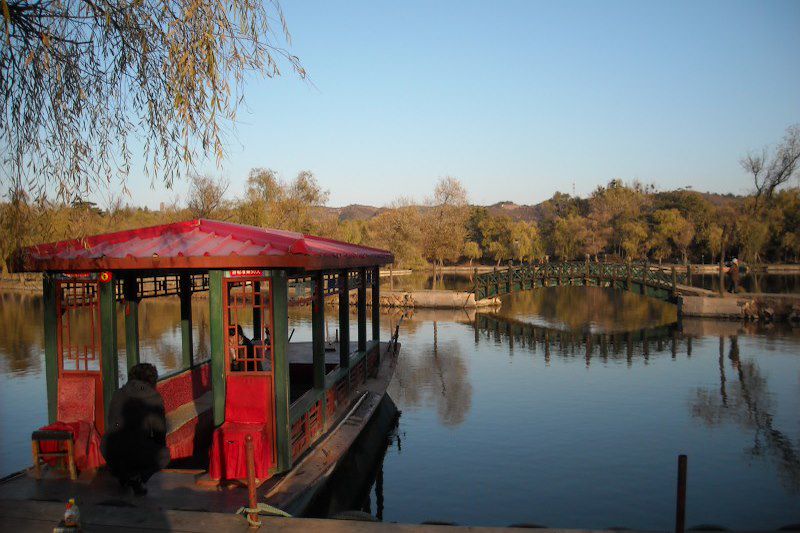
313, 413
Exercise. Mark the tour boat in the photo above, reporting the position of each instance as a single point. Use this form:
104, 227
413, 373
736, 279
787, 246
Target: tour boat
298, 408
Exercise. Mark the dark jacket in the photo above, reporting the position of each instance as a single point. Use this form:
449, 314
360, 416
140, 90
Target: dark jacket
136, 432
734, 272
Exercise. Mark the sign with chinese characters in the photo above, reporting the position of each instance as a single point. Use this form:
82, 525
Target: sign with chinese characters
245, 273
82, 276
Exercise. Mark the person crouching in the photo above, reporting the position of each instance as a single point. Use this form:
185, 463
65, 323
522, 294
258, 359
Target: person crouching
135, 445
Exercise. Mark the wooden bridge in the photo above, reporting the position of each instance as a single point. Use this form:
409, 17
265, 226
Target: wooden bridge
643, 278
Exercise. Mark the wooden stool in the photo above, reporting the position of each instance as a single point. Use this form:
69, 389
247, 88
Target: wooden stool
68, 455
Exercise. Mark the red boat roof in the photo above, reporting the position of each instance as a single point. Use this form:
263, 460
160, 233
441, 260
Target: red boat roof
200, 245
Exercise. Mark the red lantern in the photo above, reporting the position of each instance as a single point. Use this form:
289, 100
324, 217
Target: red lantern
105, 277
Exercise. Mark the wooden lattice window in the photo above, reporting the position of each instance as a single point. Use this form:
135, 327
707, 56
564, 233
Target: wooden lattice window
248, 339
78, 306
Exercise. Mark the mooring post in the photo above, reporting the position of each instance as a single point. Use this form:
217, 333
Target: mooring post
645, 270
252, 502
475, 282
680, 508
689, 274
721, 276
496, 281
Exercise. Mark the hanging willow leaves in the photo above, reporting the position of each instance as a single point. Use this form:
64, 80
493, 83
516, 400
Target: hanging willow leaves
86, 84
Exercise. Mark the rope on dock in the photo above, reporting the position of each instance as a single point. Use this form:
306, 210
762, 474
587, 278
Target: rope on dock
261, 509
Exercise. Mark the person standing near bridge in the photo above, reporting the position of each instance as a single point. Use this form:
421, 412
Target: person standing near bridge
733, 273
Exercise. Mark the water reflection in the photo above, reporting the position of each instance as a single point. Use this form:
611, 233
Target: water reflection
748, 402
519, 416
587, 309
22, 335
438, 375
521, 335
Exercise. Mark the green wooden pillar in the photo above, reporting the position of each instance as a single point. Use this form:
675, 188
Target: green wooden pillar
131, 291
108, 341
362, 309
280, 348
187, 348
376, 304
217, 334
318, 329
344, 320
49, 288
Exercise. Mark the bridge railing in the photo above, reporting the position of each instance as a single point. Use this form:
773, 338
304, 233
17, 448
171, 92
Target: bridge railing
527, 276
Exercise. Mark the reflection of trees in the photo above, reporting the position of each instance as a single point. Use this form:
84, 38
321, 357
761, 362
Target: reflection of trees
592, 307
21, 339
160, 331
434, 374
746, 400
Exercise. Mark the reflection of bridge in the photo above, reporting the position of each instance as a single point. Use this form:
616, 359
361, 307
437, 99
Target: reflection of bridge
639, 277
611, 345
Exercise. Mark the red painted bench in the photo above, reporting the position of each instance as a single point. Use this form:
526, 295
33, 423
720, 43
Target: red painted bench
248, 411
188, 402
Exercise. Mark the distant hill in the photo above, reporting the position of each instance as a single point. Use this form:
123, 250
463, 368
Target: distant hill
513, 210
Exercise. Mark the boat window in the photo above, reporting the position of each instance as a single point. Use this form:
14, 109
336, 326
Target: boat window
78, 326
248, 327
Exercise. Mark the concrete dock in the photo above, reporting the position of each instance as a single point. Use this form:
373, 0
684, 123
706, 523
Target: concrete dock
749, 306
41, 516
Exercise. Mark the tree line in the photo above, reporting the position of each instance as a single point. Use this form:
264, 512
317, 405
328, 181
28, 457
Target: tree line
617, 221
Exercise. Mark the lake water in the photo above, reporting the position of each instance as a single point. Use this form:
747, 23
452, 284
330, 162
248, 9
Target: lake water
567, 407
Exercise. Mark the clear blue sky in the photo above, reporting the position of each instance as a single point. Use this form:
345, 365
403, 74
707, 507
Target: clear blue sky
519, 99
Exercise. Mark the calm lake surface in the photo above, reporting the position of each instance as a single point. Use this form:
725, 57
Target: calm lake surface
567, 407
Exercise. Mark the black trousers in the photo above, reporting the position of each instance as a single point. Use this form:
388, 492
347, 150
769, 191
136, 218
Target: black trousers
135, 458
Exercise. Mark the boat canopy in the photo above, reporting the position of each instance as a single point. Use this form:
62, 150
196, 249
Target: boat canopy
198, 244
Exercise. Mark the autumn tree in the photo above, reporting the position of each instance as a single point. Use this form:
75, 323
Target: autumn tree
472, 251
398, 228
712, 237
270, 202
751, 236
632, 238
89, 84
444, 222
524, 241
568, 236
611, 208
671, 231
207, 196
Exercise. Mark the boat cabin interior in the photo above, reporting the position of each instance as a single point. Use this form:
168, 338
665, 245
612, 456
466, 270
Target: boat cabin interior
255, 385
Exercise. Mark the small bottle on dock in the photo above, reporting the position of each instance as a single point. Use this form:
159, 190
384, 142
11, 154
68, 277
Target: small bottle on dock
72, 519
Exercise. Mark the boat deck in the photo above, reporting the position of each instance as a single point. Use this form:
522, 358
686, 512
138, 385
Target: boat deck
177, 489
